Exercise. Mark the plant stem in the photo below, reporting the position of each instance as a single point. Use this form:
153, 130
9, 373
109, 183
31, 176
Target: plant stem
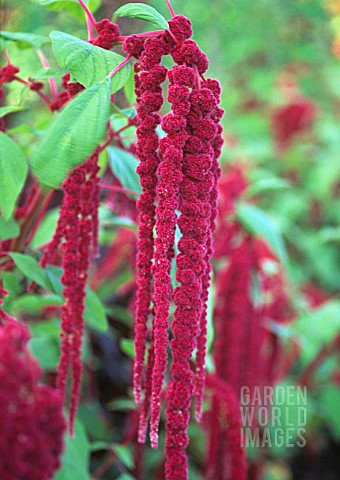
41, 95
153, 33
90, 20
40, 216
117, 188
171, 10
325, 352
121, 65
51, 81
31, 215
7, 57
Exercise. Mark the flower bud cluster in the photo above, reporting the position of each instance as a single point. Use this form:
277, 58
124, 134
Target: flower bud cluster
8, 73
78, 226
226, 457
180, 172
70, 90
30, 443
234, 313
149, 75
107, 34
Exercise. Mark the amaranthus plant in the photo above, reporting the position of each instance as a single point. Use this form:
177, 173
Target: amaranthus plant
142, 288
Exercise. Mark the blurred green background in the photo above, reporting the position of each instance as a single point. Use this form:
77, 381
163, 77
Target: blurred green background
267, 54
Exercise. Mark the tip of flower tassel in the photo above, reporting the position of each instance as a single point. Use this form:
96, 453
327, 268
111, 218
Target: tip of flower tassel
154, 439
198, 415
141, 435
71, 431
137, 397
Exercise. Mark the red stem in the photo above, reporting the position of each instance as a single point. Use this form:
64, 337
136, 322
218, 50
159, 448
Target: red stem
171, 10
112, 135
29, 219
154, 33
117, 188
91, 21
51, 81
41, 95
121, 65
324, 353
7, 57
40, 216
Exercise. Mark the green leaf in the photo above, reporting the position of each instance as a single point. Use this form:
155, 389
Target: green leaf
313, 337
259, 223
25, 40
46, 349
45, 341
127, 346
330, 407
10, 282
33, 304
99, 445
10, 109
46, 229
73, 136
45, 73
129, 89
54, 274
71, 6
76, 457
121, 404
87, 63
31, 268
49, 2
13, 172
330, 234
125, 476
47, 327
124, 454
123, 113
142, 12
8, 228
94, 312
123, 166
267, 184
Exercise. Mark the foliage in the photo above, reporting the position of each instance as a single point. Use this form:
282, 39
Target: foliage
273, 59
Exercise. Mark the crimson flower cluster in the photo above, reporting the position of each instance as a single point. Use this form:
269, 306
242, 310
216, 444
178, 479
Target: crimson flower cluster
7, 75
249, 354
179, 173
232, 185
148, 79
108, 33
291, 120
78, 226
226, 457
275, 307
30, 443
236, 319
70, 89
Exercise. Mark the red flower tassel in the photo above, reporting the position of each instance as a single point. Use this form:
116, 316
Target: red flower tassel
26, 410
78, 224
150, 75
226, 457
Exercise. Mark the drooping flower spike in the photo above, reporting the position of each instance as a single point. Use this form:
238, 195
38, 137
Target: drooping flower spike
78, 227
178, 172
226, 457
148, 79
26, 410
